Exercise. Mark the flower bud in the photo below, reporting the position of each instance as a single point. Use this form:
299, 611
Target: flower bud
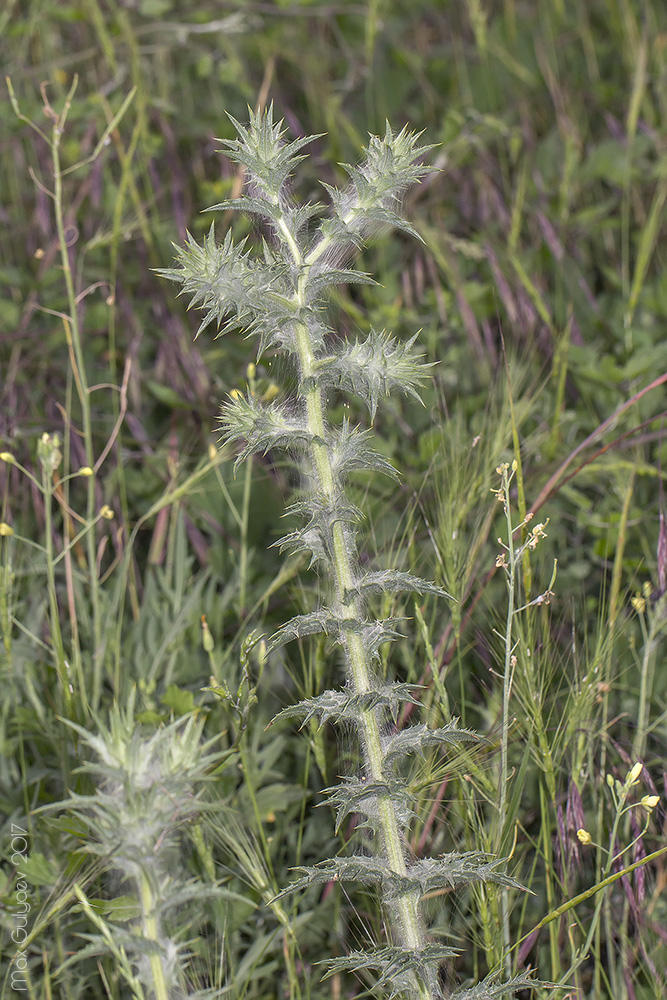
49, 453
650, 801
85, 470
584, 837
207, 640
633, 775
5, 529
6, 456
106, 512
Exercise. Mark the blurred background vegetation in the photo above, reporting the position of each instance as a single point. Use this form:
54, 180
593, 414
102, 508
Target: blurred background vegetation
541, 295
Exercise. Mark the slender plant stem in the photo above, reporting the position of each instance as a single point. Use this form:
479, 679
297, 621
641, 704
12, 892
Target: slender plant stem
73, 332
507, 691
409, 922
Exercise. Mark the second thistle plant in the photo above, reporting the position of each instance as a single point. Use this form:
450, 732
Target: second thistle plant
280, 297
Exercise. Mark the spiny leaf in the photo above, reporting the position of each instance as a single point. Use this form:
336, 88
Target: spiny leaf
492, 989
450, 871
373, 368
263, 426
324, 620
369, 204
395, 581
417, 739
423, 876
397, 966
355, 795
334, 706
392, 164
368, 870
373, 633
262, 150
226, 284
350, 452
319, 282
295, 217
316, 536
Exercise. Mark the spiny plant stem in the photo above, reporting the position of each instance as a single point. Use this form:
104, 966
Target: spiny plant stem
360, 666
151, 933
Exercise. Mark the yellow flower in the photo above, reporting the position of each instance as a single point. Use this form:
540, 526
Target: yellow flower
584, 837
639, 604
6, 456
633, 775
650, 801
106, 512
85, 470
5, 529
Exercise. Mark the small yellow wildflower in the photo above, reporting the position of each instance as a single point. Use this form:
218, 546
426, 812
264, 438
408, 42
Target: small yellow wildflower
85, 470
106, 512
633, 775
584, 837
638, 603
6, 529
650, 801
6, 456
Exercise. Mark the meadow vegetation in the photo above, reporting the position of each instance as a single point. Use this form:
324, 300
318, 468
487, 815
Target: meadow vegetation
154, 813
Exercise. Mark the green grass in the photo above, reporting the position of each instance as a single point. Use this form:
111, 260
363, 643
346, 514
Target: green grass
540, 293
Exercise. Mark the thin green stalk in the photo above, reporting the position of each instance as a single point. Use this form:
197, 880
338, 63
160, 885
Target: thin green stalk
56, 632
606, 680
646, 676
73, 333
508, 671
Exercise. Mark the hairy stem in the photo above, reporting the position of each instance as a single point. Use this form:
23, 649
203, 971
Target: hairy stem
409, 931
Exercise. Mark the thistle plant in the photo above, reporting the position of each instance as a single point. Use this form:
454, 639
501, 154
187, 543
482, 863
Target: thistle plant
279, 296
148, 789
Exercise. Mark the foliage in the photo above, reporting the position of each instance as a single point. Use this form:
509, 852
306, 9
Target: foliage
539, 294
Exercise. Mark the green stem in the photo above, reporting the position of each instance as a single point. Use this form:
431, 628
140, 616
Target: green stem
507, 691
151, 932
73, 334
406, 914
56, 632
646, 682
